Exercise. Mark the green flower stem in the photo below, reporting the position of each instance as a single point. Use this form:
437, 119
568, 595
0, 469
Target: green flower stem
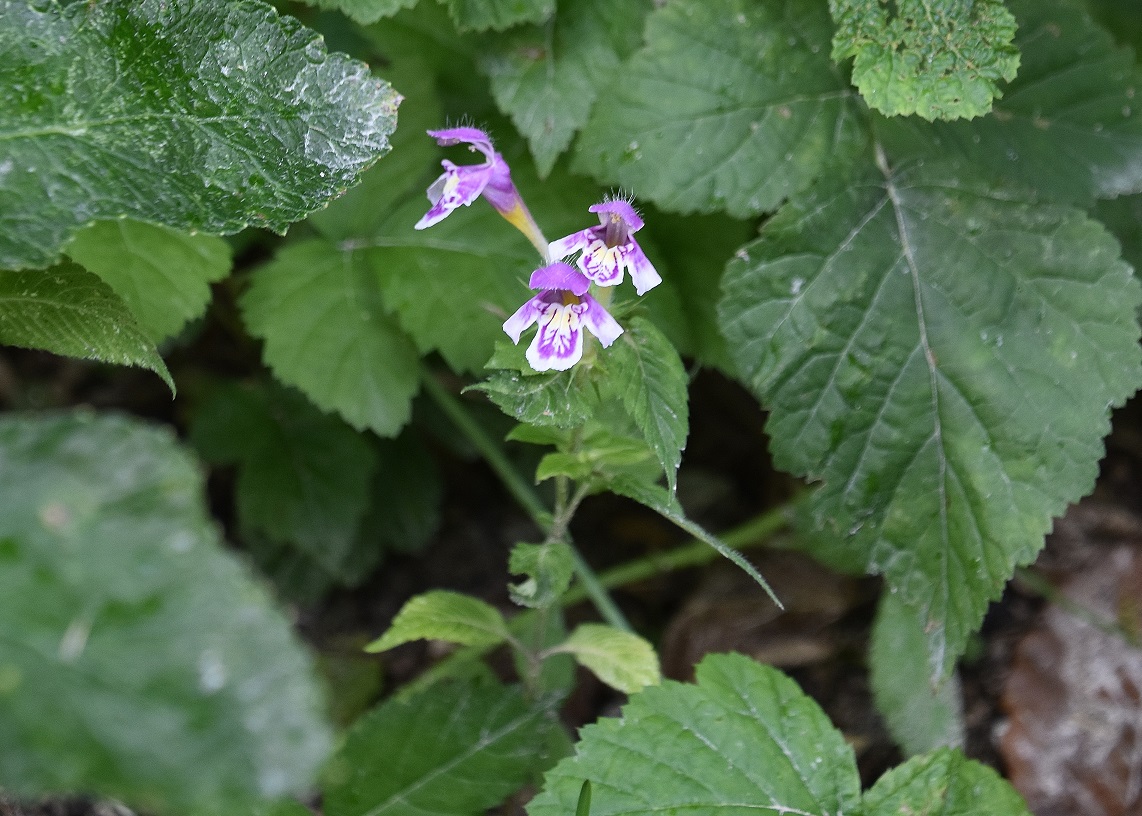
523, 493
752, 533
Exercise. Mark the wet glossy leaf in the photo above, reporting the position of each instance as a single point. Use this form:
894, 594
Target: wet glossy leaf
943, 359
942, 60
141, 662
209, 115
162, 274
67, 310
731, 105
327, 333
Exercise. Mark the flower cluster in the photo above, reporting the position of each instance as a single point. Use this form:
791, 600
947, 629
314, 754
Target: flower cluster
564, 306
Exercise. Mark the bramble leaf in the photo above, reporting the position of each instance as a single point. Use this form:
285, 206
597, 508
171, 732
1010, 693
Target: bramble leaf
327, 333
943, 358
944, 781
140, 660
443, 615
730, 105
547, 77
744, 739
211, 116
162, 274
1067, 126
68, 310
622, 660
458, 748
941, 60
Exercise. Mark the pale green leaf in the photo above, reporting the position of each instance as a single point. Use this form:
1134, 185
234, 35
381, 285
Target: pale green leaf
644, 372
944, 781
213, 116
622, 660
943, 358
744, 740
327, 333
443, 615
548, 568
919, 715
546, 77
941, 59
480, 15
162, 274
141, 662
67, 310
731, 105
458, 748
364, 11
304, 478
1068, 125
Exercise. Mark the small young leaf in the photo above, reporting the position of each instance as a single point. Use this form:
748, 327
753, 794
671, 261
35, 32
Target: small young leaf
326, 332
941, 60
132, 640
745, 739
480, 15
68, 310
920, 717
210, 115
944, 781
443, 615
548, 568
622, 660
731, 105
162, 274
943, 357
458, 748
546, 77
644, 372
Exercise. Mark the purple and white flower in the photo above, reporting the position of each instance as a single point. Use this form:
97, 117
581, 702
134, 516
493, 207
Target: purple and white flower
562, 309
609, 250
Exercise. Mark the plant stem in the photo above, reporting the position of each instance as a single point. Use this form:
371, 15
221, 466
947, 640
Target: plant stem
523, 493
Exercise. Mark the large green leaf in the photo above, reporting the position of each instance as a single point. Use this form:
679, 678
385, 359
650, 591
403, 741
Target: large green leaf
209, 115
941, 59
731, 105
328, 334
456, 749
943, 782
364, 11
546, 77
304, 477
744, 740
480, 15
140, 661
68, 310
1067, 126
162, 274
943, 358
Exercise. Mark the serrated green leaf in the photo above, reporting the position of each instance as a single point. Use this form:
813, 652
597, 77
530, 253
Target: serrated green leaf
547, 77
1123, 217
444, 615
67, 310
731, 105
560, 399
944, 781
211, 116
304, 477
919, 716
132, 640
1068, 125
326, 333
548, 568
480, 15
744, 739
644, 372
162, 274
622, 660
457, 749
943, 358
364, 11
941, 60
